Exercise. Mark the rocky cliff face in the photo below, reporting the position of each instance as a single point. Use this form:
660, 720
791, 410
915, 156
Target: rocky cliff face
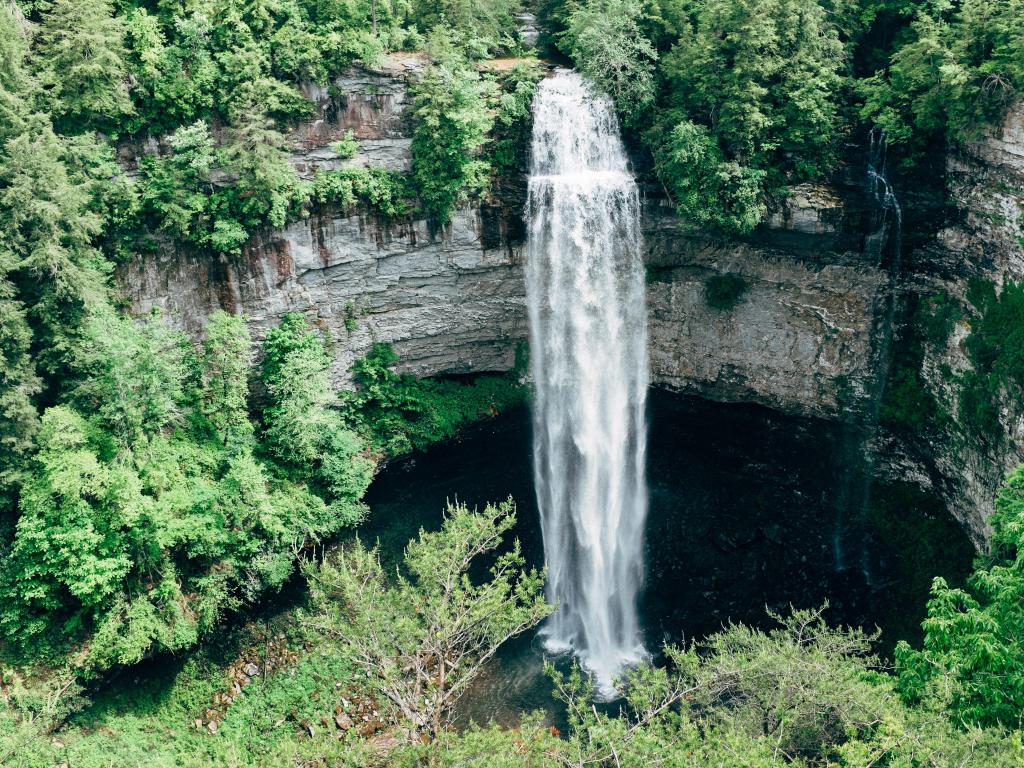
984, 240
449, 302
452, 301
802, 336
798, 337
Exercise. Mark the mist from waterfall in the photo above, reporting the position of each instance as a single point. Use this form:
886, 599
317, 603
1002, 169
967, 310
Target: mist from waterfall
588, 356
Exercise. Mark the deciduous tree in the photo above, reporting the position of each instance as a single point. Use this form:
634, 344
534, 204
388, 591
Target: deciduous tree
424, 638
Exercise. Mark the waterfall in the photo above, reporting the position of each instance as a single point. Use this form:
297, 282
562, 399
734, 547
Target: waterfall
884, 236
588, 356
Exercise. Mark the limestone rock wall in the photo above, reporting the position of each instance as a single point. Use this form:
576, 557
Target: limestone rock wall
453, 301
984, 239
446, 301
798, 340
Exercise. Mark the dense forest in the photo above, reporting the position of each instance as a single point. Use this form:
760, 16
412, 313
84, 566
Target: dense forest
157, 488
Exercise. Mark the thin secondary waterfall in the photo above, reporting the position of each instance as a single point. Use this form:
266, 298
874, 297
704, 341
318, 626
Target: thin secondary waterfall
588, 353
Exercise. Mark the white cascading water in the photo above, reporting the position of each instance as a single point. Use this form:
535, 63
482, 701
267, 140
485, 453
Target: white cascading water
588, 355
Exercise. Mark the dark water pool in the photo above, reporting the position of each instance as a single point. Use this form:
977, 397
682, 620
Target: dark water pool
747, 514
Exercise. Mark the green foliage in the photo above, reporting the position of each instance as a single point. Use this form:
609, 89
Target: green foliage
401, 413
751, 103
422, 640
46, 241
383, 192
451, 126
226, 354
725, 291
972, 663
78, 523
489, 24
604, 38
131, 376
706, 189
347, 146
908, 404
996, 350
19, 384
513, 120
146, 513
735, 99
184, 194
959, 68
81, 59
803, 695
304, 429
16, 82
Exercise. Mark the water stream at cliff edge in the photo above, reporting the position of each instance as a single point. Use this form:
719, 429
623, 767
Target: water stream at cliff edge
588, 353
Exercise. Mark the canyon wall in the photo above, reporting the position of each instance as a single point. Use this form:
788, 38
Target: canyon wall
452, 301
982, 240
806, 334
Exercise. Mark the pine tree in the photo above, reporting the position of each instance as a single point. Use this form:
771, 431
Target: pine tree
46, 234
226, 352
18, 385
14, 78
131, 375
82, 60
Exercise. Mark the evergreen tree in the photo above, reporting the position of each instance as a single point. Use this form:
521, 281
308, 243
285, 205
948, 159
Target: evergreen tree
81, 59
605, 39
14, 78
972, 663
452, 123
46, 234
71, 551
131, 375
176, 188
227, 348
304, 428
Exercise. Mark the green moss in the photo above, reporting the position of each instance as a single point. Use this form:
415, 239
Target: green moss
996, 351
907, 404
657, 274
724, 292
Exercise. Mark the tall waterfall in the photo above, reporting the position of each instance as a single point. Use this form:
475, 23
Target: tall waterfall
588, 353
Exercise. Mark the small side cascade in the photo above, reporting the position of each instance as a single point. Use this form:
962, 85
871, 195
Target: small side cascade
883, 245
887, 229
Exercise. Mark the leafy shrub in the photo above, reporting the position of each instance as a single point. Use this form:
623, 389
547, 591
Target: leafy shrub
385, 193
401, 413
347, 146
451, 126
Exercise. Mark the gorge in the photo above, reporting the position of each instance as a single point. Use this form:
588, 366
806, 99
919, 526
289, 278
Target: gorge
519, 383
801, 338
